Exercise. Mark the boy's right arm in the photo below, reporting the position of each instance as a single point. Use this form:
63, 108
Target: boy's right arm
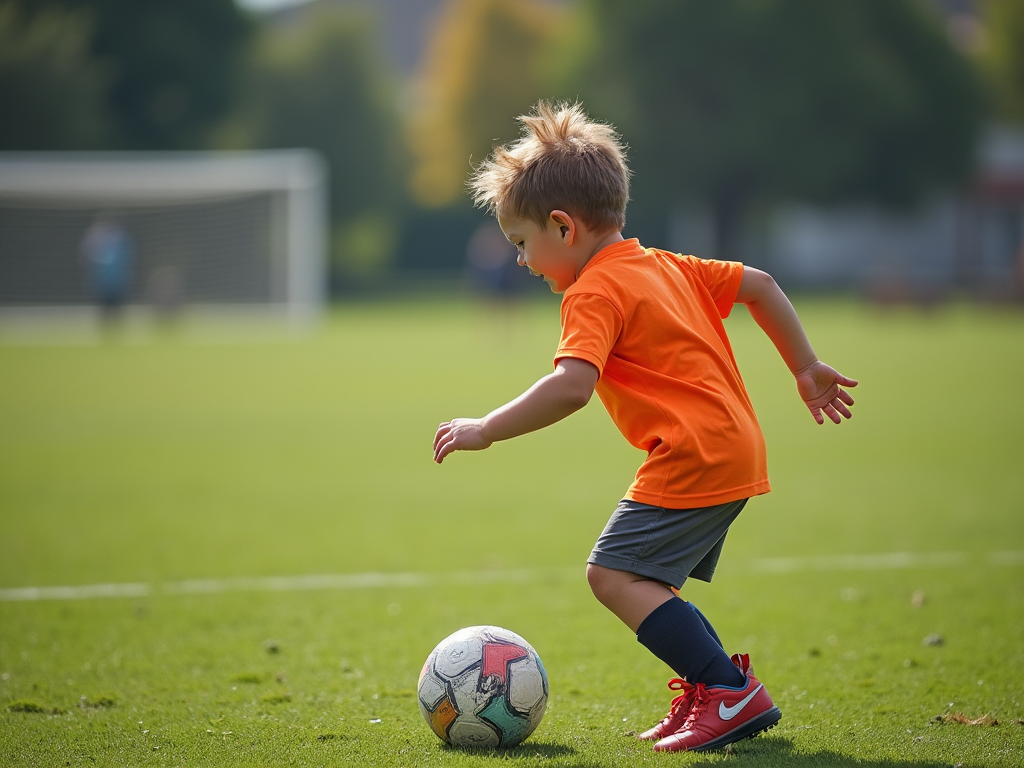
551, 399
820, 386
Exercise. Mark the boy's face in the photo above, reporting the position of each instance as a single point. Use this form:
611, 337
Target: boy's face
545, 251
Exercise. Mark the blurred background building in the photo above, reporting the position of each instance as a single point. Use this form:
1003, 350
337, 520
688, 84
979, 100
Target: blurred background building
875, 147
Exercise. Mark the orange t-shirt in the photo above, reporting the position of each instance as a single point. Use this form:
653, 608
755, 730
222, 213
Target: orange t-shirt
651, 321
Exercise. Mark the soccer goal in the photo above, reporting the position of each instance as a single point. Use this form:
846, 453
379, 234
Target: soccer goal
163, 232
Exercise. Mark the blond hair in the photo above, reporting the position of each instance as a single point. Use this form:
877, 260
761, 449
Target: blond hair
563, 161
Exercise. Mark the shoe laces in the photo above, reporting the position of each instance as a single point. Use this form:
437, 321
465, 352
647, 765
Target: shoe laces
680, 701
701, 697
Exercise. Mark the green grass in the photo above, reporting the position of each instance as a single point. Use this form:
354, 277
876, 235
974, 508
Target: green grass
188, 458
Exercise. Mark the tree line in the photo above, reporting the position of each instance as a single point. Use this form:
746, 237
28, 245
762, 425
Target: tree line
733, 105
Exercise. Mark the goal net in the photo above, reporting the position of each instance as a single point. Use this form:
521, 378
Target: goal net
163, 231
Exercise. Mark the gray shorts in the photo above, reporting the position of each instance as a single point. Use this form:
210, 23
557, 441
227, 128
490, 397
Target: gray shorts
667, 545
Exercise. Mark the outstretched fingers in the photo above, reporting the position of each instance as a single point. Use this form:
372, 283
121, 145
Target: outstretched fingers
822, 390
442, 441
459, 435
834, 414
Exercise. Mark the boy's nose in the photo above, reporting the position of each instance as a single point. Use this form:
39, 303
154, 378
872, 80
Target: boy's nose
521, 260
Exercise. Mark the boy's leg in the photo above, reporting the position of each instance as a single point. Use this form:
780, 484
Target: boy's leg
642, 550
666, 625
707, 624
720, 703
629, 596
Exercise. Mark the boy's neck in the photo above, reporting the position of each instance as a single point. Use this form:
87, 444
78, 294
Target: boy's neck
595, 243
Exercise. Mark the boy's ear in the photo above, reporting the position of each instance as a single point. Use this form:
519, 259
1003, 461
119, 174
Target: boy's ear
565, 224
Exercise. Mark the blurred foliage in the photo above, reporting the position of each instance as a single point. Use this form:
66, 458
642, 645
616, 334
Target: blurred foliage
364, 246
317, 83
740, 102
171, 65
52, 89
736, 104
483, 67
1002, 55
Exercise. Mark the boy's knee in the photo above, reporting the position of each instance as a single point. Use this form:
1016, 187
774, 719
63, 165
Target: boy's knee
602, 581
593, 577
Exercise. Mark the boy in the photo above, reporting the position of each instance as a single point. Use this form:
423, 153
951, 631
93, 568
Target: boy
644, 329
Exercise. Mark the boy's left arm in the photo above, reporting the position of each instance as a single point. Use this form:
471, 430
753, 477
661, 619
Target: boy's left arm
820, 386
551, 399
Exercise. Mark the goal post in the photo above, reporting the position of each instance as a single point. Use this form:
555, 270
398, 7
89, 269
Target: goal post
201, 230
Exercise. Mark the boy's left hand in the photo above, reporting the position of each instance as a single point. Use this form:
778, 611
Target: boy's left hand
820, 387
459, 435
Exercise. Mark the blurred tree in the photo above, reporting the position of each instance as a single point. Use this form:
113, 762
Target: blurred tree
317, 83
484, 66
1002, 55
736, 102
171, 65
51, 88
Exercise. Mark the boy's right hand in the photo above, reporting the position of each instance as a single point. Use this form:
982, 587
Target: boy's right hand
459, 435
820, 387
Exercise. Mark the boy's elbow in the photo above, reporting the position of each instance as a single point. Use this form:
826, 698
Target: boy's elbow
579, 397
575, 395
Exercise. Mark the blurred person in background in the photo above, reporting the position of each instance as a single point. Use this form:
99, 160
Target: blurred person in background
107, 251
494, 277
491, 263
166, 293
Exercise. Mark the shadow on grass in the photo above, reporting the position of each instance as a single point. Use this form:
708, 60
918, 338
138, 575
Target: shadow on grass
775, 751
529, 750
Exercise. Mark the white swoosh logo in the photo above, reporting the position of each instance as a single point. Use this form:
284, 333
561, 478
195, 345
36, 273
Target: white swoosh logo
728, 713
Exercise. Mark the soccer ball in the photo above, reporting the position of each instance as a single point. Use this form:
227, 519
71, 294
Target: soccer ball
483, 687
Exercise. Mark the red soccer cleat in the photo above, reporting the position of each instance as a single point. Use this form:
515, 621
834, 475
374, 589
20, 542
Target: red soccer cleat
678, 713
720, 716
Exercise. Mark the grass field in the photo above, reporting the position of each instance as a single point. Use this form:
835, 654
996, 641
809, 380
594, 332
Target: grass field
201, 477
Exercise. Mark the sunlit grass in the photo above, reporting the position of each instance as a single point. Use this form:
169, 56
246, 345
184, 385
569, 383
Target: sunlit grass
182, 458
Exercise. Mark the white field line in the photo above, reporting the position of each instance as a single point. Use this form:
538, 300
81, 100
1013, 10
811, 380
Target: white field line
374, 580
885, 562
281, 584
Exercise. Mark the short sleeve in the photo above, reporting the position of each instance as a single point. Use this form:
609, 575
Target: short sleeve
721, 278
590, 327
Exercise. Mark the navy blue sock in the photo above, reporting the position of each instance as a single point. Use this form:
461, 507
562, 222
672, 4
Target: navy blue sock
676, 633
707, 625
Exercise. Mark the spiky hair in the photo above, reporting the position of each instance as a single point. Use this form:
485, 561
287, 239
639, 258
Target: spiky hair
563, 161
